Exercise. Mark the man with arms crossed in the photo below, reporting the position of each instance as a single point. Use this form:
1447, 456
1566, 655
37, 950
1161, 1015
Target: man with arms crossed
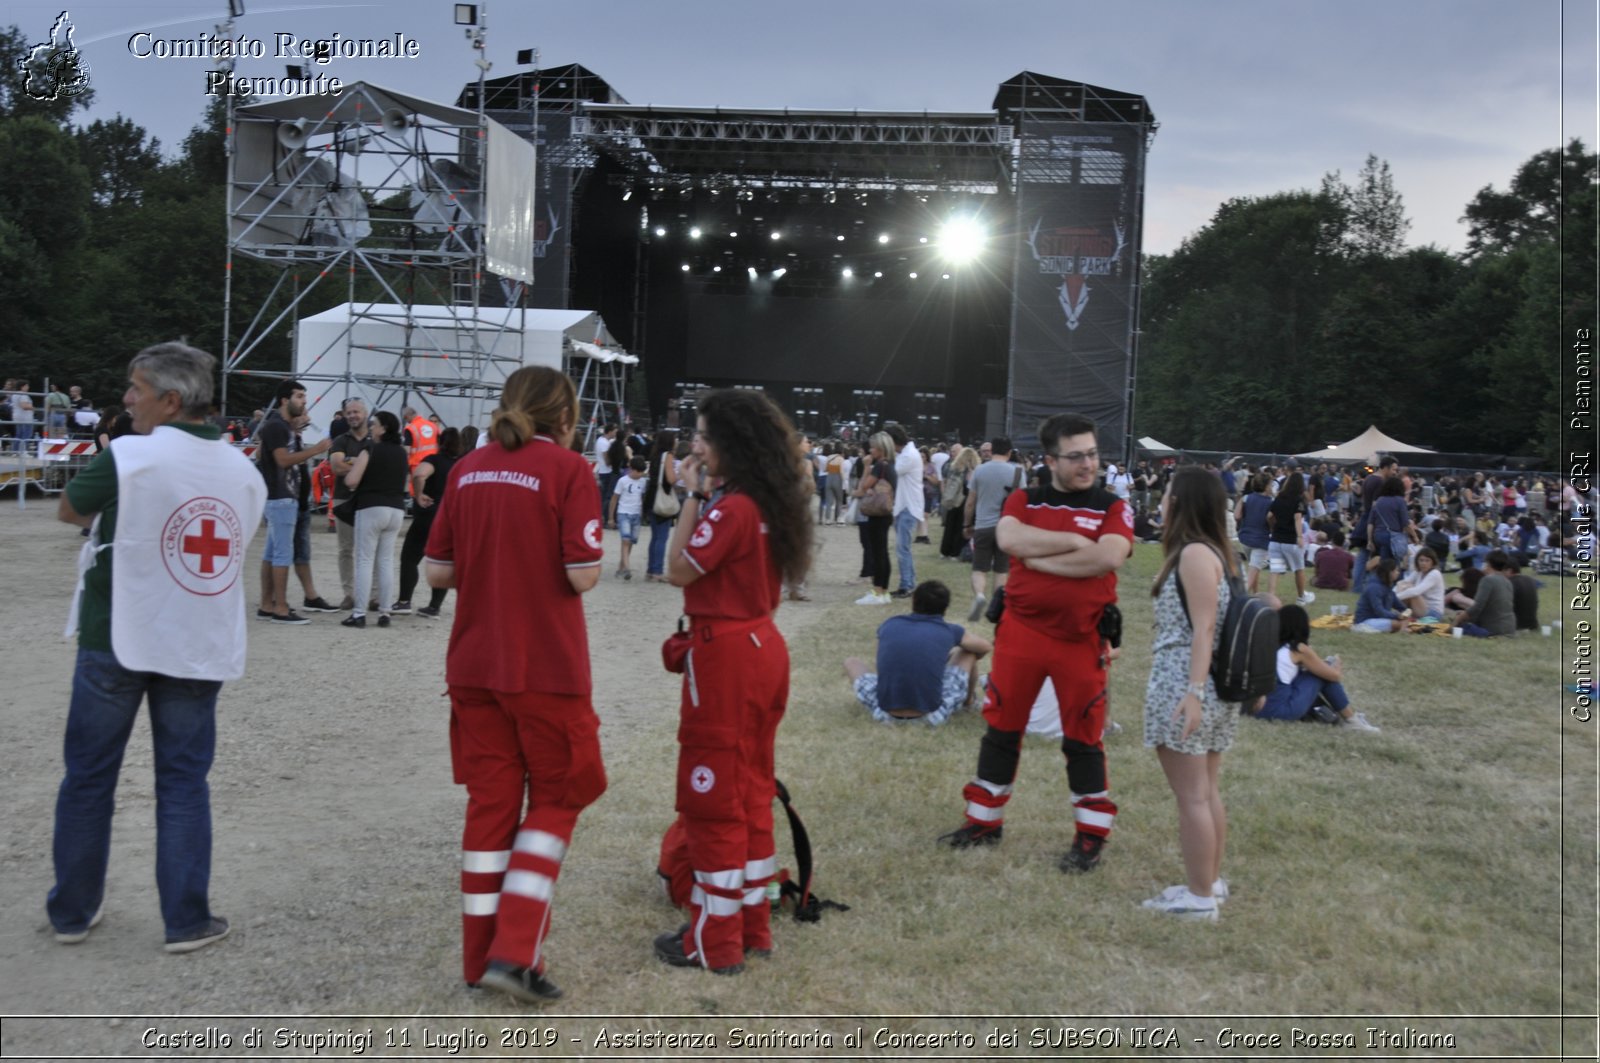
162, 617
1068, 538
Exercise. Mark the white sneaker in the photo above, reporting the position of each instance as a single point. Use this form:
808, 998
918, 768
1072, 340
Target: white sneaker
1357, 721
1306, 599
976, 612
1178, 902
1219, 893
872, 598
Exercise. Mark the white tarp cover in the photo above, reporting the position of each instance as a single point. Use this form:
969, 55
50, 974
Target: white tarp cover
1155, 445
375, 347
1367, 445
604, 354
509, 189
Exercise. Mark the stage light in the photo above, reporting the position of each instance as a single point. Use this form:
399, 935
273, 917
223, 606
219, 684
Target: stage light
780, 271
922, 239
684, 267
840, 239
752, 271
947, 276
883, 238
848, 272
877, 273
776, 235
913, 275
733, 236
716, 269
961, 239
627, 194
660, 231
694, 233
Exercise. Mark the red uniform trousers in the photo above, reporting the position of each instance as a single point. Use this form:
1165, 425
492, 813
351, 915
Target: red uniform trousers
504, 748
1023, 659
735, 689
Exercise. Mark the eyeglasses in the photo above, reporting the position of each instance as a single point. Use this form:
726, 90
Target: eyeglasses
1077, 457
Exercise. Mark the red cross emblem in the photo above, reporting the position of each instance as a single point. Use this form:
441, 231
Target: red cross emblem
202, 545
208, 545
702, 779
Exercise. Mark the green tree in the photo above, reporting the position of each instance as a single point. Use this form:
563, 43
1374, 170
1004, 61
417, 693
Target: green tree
1532, 207
1371, 220
121, 158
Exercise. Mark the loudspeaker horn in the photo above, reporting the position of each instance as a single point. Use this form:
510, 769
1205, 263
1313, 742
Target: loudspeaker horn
395, 120
292, 135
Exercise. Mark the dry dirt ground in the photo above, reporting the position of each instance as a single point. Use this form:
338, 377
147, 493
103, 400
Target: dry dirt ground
336, 821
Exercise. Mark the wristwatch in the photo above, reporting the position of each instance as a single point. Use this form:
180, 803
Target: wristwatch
1197, 689
702, 496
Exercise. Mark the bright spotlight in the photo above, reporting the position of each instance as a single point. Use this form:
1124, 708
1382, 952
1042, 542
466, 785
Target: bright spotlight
694, 233
780, 271
913, 276
848, 272
961, 239
776, 235
877, 273
840, 239
752, 271
733, 236
883, 238
660, 231
716, 269
684, 267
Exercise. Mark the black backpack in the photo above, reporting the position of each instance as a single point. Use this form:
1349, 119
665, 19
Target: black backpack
1245, 664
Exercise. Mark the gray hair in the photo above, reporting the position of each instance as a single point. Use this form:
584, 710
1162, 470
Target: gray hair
178, 367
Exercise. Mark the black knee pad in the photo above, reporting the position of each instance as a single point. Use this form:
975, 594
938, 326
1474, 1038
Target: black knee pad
998, 755
1086, 767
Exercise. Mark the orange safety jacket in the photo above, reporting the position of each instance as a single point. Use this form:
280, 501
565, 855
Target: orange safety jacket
424, 440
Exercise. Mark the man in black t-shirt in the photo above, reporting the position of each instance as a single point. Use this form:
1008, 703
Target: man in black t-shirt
281, 460
347, 446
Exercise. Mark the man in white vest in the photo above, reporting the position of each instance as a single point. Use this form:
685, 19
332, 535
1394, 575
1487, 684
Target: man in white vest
173, 509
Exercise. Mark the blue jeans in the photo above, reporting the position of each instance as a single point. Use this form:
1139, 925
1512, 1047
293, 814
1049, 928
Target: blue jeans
1292, 700
660, 535
905, 528
281, 514
183, 726
1362, 555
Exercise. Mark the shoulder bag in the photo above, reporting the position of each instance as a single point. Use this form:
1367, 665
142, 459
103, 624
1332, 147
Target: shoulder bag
666, 504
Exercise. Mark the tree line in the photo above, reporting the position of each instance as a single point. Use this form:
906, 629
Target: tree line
1299, 318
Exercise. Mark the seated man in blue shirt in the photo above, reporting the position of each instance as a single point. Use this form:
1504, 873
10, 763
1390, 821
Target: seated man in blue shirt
926, 666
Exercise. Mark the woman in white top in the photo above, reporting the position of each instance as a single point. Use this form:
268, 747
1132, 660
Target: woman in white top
1308, 686
1423, 592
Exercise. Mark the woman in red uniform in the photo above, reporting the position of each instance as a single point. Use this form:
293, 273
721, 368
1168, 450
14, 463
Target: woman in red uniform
518, 535
731, 554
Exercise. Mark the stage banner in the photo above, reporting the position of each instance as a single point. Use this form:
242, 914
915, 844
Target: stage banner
552, 222
1080, 197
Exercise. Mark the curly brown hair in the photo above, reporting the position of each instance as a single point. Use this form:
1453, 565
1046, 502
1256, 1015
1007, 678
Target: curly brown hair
760, 455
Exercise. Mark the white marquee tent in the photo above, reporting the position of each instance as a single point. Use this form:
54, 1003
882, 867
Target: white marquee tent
1364, 447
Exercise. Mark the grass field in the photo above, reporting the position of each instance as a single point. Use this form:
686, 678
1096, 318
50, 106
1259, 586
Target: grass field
1444, 867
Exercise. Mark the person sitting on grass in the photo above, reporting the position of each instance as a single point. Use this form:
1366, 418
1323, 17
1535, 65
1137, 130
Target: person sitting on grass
1489, 613
1423, 592
1309, 687
1378, 609
1524, 599
1334, 564
926, 665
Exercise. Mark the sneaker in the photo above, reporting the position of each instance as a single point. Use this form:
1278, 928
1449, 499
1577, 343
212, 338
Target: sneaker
401, 608
319, 605
902, 592
1179, 903
971, 835
1307, 598
429, 612
77, 936
669, 950
209, 934
921, 539
1084, 855
264, 614
523, 983
353, 621
1357, 721
1219, 893
291, 617
976, 612
627, 574
383, 620
872, 598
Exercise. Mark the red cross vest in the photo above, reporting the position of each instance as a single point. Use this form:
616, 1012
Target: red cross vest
187, 509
